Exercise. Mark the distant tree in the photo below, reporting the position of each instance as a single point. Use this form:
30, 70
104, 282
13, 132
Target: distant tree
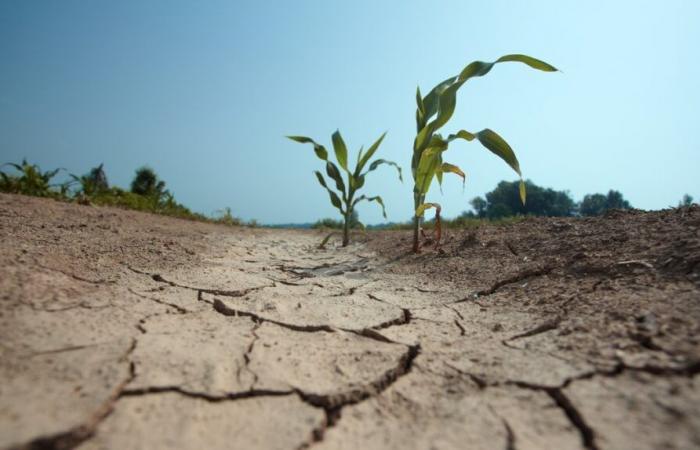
597, 204
146, 183
686, 201
338, 224
615, 200
504, 201
479, 205
98, 178
94, 182
592, 205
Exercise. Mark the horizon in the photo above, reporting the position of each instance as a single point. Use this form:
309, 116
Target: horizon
206, 95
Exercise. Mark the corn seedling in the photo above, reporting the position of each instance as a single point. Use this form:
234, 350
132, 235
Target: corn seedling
30, 180
428, 146
344, 199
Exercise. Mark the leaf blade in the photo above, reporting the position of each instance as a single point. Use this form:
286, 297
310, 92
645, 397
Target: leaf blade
341, 150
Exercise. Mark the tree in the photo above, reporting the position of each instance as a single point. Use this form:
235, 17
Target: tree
146, 183
686, 201
592, 205
504, 201
597, 204
94, 182
480, 206
98, 178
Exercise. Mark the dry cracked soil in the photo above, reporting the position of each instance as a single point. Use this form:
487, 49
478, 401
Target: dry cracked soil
125, 330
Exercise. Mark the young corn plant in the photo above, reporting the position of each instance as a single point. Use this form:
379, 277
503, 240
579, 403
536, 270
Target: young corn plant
30, 180
345, 199
429, 145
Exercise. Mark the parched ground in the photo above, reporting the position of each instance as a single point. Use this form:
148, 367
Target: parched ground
125, 330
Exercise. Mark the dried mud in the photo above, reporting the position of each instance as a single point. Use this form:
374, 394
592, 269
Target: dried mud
127, 330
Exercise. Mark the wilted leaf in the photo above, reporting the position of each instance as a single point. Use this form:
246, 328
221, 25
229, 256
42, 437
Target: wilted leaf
377, 199
379, 162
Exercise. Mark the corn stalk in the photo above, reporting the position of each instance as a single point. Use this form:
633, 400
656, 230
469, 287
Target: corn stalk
345, 198
439, 105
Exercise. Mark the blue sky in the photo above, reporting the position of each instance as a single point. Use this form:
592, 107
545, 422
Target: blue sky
204, 92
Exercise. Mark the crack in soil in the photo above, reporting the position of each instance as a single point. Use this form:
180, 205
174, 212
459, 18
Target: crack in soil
79, 434
462, 331
575, 417
333, 404
371, 333
510, 436
177, 308
154, 390
224, 293
246, 357
520, 276
222, 308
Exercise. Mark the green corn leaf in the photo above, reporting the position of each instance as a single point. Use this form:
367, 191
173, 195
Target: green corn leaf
430, 102
475, 69
426, 169
425, 206
333, 172
496, 144
377, 199
451, 168
530, 61
446, 105
419, 101
341, 150
379, 162
461, 134
523, 194
359, 155
356, 182
319, 149
335, 200
422, 138
370, 152
325, 240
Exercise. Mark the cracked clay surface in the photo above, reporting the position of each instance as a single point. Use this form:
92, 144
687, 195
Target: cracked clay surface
127, 330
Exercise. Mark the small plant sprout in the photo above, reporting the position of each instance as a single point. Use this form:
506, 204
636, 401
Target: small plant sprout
344, 199
429, 146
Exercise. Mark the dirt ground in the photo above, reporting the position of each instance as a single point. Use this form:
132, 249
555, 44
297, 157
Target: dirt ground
125, 330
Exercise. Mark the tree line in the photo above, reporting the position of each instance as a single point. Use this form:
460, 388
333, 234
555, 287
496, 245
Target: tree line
504, 201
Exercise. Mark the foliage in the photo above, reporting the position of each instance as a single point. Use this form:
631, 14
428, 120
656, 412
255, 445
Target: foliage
226, 217
686, 201
94, 189
334, 224
344, 199
94, 182
146, 183
597, 204
503, 201
428, 146
30, 180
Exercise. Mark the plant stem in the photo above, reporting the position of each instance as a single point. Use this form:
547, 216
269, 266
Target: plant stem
418, 200
346, 229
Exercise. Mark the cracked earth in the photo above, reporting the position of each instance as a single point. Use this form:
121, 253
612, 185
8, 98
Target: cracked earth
126, 330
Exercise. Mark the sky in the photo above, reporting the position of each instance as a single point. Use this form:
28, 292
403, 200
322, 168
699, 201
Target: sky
205, 93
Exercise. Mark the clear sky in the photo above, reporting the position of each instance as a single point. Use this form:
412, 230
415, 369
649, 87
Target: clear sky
204, 92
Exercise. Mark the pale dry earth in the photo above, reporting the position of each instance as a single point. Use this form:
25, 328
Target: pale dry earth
123, 330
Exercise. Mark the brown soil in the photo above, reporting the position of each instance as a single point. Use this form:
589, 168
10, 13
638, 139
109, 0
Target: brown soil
127, 330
